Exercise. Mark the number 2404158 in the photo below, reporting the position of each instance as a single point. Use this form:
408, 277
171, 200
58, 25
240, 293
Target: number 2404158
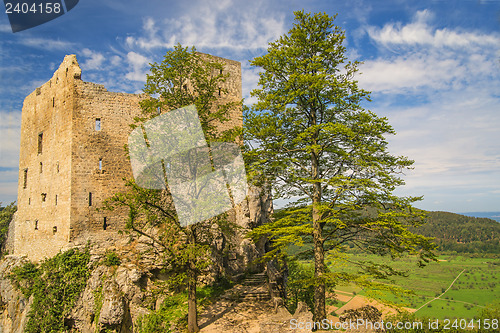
26, 8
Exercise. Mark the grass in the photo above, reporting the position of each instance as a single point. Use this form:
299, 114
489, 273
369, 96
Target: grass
476, 287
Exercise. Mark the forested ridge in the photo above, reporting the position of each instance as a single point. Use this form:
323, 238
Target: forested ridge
460, 233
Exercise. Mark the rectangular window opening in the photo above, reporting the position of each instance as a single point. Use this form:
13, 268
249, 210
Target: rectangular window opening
40, 143
36, 225
25, 179
97, 124
56, 199
53, 101
57, 167
41, 167
100, 164
104, 224
44, 197
90, 198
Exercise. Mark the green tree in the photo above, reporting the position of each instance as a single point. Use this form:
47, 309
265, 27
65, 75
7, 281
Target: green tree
6, 214
183, 78
310, 136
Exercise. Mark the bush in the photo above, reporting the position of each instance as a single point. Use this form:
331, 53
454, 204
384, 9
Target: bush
300, 285
6, 214
171, 312
55, 285
112, 259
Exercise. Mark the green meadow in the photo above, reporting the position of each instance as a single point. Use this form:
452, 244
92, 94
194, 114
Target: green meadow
477, 286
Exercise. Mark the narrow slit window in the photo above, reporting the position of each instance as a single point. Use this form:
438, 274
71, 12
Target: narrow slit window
97, 124
90, 198
25, 179
56, 200
53, 101
29, 201
41, 167
57, 167
104, 223
219, 91
44, 197
40, 143
100, 164
36, 225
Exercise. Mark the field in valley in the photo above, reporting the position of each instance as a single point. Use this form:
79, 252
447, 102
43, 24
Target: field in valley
453, 287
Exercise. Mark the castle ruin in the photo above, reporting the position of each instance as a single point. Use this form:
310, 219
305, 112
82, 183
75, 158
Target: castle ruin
72, 158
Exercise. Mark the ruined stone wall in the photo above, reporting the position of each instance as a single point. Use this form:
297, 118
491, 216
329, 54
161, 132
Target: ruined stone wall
72, 158
101, 122
43, 216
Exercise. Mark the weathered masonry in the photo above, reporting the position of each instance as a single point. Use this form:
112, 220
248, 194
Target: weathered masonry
72, 158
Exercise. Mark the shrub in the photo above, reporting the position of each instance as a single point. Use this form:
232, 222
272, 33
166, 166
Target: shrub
112, 259
55, 285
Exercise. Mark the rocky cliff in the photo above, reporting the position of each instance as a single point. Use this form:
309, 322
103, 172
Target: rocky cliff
116, 295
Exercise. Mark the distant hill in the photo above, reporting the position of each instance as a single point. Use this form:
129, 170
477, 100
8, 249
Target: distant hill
456, 232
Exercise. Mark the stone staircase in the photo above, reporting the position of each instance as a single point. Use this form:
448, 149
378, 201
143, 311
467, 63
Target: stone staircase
253, 287
255, 279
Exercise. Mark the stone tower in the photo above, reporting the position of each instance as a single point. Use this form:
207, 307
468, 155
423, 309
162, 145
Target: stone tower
72, 158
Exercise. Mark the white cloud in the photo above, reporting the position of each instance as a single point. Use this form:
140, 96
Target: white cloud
139, 65
8, 190
419, 32
224, 24
10, 127
250, 78
448, 120
5, 28
423, 57
46, 44
94, 59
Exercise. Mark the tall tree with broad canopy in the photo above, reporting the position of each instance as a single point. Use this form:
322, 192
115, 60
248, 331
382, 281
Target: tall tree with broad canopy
310, 136
183, 78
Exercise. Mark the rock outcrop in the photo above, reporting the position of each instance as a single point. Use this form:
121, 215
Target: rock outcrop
14, 307
116, 296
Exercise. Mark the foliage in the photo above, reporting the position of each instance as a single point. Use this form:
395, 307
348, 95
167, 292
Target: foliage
184, 77
98, 300
55, 285
173, 310
310, 137
6, 214
112, 259
489, 313
300, 286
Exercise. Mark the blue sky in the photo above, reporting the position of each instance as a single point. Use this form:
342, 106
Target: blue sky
433, 68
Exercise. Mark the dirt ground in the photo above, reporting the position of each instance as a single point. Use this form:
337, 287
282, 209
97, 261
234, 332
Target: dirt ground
232, 316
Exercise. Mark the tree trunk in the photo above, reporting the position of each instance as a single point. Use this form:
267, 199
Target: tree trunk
319, 268
192, 277
319, 251
192, 309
